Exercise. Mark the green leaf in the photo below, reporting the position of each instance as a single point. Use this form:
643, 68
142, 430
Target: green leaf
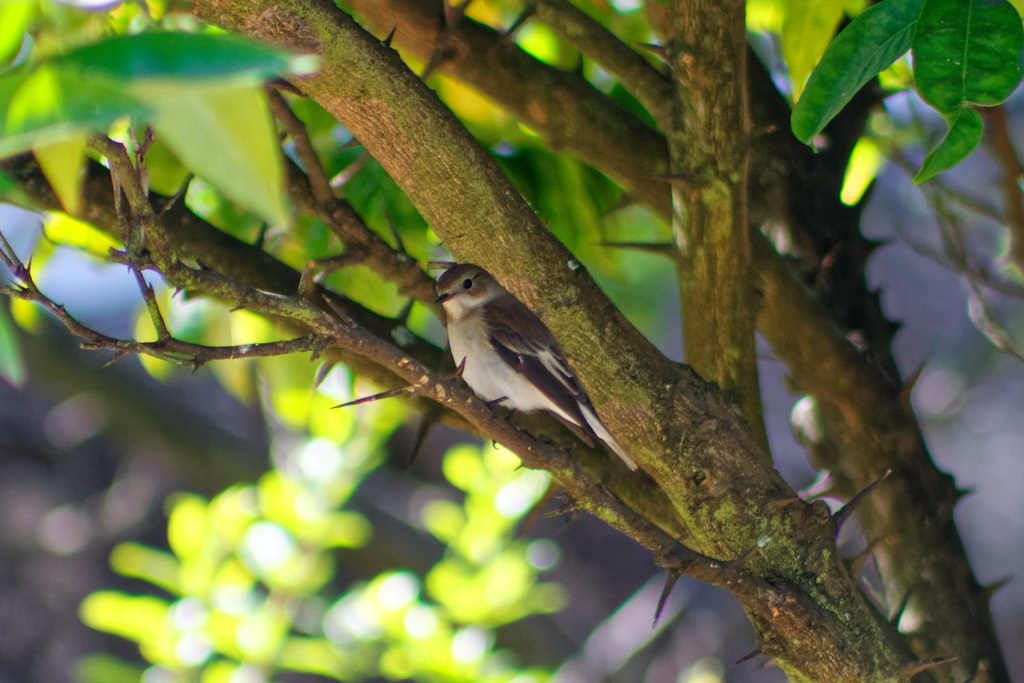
226, 136
870, 43
104, 668
51, 104
967, 51
193, 56
12, 368
15, 16
965, 129
63, 164
806, 30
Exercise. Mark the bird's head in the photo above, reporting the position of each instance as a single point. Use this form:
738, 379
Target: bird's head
465, 287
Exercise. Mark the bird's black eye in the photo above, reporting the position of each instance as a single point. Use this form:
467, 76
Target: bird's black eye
467, 283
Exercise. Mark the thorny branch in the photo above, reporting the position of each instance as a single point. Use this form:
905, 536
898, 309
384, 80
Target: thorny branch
328, 329
166, 347
311, 189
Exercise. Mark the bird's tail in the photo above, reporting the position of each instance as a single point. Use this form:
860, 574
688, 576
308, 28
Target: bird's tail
602, 433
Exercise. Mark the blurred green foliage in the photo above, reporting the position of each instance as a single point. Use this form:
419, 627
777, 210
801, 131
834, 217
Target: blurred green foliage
253, 583
250, 582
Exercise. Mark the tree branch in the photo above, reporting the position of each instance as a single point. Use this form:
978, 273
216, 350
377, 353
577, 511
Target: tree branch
859, 395
689, 439
708, 131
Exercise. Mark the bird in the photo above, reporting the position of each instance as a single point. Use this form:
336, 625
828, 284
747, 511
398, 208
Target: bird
508, 356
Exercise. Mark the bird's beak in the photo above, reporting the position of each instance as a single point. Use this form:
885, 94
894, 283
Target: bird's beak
444, 297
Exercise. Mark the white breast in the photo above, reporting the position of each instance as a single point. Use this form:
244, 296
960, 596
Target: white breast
488, 375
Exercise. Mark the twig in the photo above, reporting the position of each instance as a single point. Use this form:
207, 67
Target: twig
362, 245
319, 182
166, 347
647, 84
1001, 143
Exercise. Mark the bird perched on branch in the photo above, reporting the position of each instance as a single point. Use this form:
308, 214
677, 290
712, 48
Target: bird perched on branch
509, 356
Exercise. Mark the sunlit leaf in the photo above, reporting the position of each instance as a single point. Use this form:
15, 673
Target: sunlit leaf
963, 136
142, 562
444, 519
104, 668
186, 526
967, 51
865, 161
192, 56
311, 655
139, 618
235, 122
875, 38
12, 368
15, 16
27, 314
63, 164
166, 173
49, 105
806, 31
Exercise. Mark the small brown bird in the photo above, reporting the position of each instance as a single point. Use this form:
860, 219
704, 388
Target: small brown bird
510, 356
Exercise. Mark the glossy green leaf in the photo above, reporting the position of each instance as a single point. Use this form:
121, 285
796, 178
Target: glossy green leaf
50, 105
15, 16
12, 368
870, 43
225, 135
177, 55
967, 51
807, 28
965, 129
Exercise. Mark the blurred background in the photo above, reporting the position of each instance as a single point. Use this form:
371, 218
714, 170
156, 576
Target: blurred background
227, 525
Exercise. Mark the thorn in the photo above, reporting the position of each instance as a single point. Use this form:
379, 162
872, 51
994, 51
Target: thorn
430, 418
908, 386
375, 397
387, 41
990, 588
908, 671
121, 353
750, 655
439, 265
537, 508
399, 246
261, 236
962, 493
334, 302
683, 180
656, 248
736, 564
322, 372
895, 617
842, 513
459, 370
569, 507
982, 668
518, 23
351, 143
756, 135
403, 315
670, 582
658, 50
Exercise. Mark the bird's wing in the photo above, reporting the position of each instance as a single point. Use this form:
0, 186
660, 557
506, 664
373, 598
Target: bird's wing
528, 346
